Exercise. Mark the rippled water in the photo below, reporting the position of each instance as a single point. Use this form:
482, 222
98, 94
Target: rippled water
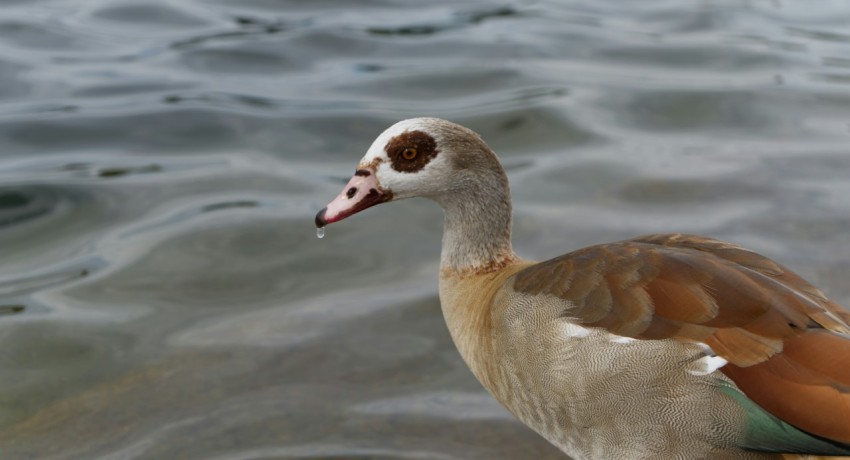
162, 290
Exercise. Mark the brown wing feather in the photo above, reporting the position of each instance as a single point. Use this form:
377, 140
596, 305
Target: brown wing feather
829, 314
786, 342
805, 385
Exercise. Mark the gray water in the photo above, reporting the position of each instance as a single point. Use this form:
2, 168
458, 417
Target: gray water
162, 291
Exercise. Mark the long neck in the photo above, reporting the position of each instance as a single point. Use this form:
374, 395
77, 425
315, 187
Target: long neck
477, 227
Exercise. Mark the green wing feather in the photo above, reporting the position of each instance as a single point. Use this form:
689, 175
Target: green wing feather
767, 433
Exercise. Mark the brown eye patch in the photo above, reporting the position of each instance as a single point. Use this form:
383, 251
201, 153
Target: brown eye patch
410, 151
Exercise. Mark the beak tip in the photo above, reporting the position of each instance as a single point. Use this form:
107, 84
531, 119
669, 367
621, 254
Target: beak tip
320, 218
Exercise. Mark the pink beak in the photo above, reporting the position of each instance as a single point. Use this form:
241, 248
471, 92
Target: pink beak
361, 192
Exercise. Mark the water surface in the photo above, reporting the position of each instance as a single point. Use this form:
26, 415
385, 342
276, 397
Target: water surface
162, 290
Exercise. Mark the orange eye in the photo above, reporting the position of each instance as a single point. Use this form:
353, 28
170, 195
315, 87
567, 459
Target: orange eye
408, 153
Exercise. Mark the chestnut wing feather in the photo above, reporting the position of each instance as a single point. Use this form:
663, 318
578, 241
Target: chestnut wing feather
775, 329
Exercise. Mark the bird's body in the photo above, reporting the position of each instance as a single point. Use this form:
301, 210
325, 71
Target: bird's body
665, 346
594, 394
575, 385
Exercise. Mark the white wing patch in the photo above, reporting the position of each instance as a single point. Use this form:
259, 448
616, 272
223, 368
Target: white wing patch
573, 330
709, 363
620, 339
712, 363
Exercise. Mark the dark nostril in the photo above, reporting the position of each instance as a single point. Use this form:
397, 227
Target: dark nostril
350, 193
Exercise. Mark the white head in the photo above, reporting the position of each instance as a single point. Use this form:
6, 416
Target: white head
426, 157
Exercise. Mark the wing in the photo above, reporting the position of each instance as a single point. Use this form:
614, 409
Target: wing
787, 344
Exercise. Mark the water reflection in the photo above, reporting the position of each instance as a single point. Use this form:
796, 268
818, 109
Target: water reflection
11, 309
17, 206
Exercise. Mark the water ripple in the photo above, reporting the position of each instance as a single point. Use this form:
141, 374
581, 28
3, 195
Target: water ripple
162, 290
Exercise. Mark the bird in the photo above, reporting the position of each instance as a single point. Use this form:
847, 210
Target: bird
664, 346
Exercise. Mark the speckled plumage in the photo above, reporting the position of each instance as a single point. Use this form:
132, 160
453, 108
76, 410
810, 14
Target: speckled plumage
590, 394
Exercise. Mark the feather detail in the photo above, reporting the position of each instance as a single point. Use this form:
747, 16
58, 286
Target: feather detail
785, 341
808, 385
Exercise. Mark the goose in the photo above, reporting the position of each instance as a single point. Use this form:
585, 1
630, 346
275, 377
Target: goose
657, 347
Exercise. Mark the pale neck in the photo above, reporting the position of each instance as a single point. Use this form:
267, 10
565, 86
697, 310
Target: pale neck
477, 228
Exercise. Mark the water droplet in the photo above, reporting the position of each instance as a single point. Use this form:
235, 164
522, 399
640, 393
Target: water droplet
320, 232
